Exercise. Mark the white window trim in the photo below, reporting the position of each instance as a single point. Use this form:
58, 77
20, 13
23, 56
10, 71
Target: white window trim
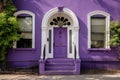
107, 46
33, 25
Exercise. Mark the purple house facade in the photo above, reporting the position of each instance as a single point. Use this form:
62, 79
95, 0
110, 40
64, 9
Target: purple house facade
65, 36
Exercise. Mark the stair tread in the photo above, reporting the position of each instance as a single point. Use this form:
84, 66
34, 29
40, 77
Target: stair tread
59, 59
60, 70
60, 66
65, 64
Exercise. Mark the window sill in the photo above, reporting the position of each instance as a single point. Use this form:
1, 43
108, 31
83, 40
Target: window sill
24, 49
99, 49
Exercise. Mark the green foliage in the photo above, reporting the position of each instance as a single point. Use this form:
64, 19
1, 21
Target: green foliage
8, 29
115, 33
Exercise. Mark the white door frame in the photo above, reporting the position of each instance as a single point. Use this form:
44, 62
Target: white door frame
46, 28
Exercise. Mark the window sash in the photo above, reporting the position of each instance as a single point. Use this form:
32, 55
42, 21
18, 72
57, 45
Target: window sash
98, 32
25, 23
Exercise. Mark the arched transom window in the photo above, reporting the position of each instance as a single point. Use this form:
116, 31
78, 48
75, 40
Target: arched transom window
60, 19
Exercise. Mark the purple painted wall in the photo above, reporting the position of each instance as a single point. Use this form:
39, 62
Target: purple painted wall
81, 8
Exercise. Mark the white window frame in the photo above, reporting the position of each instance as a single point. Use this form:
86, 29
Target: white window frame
33, 25
107, 29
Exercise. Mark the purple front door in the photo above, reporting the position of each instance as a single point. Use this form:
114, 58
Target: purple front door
60, 42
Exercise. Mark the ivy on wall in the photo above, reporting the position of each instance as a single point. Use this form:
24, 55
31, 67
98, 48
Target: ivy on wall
8, 28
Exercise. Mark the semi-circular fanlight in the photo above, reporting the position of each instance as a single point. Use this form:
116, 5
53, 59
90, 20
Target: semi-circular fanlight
60, 21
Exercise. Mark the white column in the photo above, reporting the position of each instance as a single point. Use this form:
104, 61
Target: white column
44, 40
50, 55
71, 55
76, 30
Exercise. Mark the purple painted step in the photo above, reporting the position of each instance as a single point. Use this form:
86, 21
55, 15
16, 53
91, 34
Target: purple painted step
60, 66
56, 60
59, 72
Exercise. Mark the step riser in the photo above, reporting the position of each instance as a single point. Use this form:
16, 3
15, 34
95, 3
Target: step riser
59, 68
60, 60
57, 64
59, 73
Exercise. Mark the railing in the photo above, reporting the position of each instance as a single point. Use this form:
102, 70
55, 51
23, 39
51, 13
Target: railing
75, 51
44, 52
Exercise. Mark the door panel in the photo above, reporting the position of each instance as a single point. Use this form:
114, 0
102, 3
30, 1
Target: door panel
60, 42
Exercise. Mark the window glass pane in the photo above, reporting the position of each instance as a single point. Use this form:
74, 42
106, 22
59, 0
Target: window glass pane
26, 35
98, 21
97, 36
50, 37
24, 43
25, 23
70, 41
98, 28
97, 43
97, 32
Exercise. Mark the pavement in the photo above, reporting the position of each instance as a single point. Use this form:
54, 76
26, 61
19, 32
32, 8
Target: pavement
60, 77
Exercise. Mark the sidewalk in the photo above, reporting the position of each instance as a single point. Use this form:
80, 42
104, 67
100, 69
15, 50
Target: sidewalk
60, 77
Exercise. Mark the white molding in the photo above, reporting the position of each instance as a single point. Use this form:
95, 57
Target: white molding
107, 26
33, 24
48, 15
44, 25
73, 17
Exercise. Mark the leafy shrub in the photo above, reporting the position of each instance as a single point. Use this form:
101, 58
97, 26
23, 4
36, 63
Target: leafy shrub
8, 29
115, 33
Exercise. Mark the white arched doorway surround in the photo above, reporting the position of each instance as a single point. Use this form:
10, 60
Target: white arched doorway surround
45, 33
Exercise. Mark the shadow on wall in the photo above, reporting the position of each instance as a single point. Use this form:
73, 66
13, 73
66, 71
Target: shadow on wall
82, 38
42, 2
112, 8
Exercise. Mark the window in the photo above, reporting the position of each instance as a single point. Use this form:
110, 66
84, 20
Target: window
98, 30
26, 24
